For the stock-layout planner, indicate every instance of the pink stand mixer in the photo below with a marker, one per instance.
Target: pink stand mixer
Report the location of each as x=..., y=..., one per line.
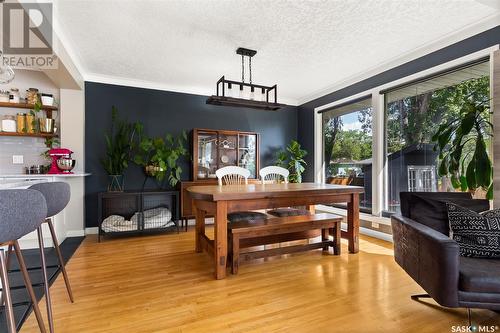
x=62, y=163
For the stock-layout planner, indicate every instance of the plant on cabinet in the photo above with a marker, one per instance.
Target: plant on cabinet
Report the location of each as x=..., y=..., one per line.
x=159, y=157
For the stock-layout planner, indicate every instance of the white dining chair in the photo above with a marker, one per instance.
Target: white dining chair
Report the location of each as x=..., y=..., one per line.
x=235, y=175
x=276, y=174
x=232, y=175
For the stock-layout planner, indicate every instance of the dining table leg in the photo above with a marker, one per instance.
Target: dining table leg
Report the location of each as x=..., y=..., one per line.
x=353, y=223
x=220, y=240
x=200, y=226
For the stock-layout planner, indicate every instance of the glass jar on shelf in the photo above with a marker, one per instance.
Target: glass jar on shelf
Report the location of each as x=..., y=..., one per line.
x=21, y=122
x=9, y=124
x=4, y=96
x=14, y=95
x=32, y=96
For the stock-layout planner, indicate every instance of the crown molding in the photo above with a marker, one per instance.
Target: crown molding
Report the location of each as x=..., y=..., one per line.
x=487, y=23
x=135, y=83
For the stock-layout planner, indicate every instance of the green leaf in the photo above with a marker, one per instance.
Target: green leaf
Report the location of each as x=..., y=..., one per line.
x=455, y=182
x=444, y=138
x=482, y=165
x=463, y=184
x=443, y=167
x=470, y=175
x=489, y=194
x=468, y=123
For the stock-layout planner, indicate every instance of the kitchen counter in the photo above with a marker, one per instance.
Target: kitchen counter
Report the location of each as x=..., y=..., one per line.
x=25, y=176
x=70, y=222
x=11, y=181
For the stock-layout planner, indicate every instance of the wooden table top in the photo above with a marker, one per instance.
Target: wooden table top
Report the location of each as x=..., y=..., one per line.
x=258, y=191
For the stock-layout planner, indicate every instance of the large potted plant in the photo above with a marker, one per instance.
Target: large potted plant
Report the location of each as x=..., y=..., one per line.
x=119, y=145
x=293, y=159
x=159, y=157
x=462, y=143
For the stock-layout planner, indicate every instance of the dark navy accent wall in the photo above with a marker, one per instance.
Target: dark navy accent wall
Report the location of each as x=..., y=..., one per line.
x=164, y=112
x=473, y=44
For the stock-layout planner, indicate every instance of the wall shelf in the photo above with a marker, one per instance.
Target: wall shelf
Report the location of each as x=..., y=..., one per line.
x=26, y=106
x=30, y=135
x=47, y=108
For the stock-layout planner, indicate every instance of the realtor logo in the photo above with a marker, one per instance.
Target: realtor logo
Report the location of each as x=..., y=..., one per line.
x=27, y=36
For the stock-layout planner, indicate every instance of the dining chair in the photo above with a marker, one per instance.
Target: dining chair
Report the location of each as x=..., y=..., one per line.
x=232, y=175
x=21, y=212
x=235, y=175
x=276, y=174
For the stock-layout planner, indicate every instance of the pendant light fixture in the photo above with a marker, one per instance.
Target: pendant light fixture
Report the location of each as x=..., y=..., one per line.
x=243, y=94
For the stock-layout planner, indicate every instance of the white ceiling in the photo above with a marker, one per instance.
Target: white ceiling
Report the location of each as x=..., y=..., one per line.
x=303, y=46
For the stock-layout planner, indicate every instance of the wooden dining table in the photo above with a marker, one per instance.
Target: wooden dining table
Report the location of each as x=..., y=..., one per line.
x=218, y=201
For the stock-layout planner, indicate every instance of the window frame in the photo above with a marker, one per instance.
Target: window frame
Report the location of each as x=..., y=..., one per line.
x=379, y=167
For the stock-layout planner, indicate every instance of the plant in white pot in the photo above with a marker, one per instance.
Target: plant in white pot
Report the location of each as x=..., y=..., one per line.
x=119, y=145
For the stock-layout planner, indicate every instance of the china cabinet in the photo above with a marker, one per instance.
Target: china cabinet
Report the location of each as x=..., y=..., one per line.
x=214, y=149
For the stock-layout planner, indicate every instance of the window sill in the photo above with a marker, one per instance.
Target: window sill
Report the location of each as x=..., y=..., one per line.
x=362, y=216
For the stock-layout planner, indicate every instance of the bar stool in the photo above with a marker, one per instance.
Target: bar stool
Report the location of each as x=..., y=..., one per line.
x=57, y=195
x=21, y=212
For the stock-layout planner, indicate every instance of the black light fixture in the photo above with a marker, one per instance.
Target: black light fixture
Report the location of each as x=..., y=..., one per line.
x=226, y=89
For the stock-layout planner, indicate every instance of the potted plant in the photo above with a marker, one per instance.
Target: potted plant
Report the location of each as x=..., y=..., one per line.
x=119, y=145
x=50, y=142
x=159, y=157
x=462, y=143
x=293, y=159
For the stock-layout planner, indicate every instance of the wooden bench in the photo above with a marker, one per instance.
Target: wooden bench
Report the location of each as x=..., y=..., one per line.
x=251, y=233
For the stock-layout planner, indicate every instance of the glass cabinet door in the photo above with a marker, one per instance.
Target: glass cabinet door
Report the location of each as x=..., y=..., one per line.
x=247, y=153
x=207, y=155
x=227, y=149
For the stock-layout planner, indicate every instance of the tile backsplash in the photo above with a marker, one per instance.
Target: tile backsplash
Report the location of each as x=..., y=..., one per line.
x=30, y=148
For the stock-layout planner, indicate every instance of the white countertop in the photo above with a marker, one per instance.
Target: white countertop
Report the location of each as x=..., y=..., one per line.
x=62, y=175
x=11, y=181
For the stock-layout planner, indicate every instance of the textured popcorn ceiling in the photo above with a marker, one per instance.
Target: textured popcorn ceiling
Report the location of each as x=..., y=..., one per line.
x=303, y=46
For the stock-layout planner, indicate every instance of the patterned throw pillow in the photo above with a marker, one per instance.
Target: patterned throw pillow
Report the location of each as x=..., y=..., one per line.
x=477, y=234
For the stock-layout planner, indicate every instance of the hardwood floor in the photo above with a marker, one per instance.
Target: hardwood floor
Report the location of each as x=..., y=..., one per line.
x=159, y=284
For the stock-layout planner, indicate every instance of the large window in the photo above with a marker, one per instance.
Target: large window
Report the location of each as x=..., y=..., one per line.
x=413, y=115
x=347, y=145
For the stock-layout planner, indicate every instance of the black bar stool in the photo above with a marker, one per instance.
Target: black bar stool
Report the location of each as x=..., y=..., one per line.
x=21, y=212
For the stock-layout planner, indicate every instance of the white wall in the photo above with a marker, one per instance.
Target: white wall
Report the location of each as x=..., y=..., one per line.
x=72, y=137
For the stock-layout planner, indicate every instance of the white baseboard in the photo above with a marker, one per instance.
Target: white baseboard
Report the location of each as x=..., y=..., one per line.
x=75, y=233
x=33, y=243
x=376, y=234
x=91, y=231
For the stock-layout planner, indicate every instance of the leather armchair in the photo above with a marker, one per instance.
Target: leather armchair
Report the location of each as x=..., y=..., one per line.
x=432, y=259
